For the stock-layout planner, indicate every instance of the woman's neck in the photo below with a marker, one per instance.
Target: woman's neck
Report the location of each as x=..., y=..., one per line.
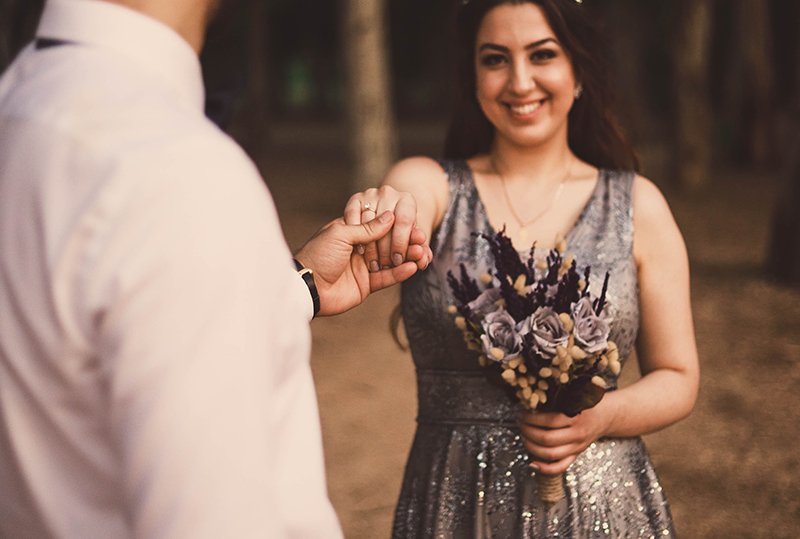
x=541, y=164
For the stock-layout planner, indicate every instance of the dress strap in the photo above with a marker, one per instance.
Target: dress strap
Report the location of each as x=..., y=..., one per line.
x=460, y=204
x=621, y=205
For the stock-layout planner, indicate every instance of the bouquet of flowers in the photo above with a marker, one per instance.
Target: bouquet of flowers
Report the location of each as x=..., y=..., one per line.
x=539, y=328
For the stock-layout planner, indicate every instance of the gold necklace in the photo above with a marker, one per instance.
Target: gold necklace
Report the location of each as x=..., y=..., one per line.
x=521, y=224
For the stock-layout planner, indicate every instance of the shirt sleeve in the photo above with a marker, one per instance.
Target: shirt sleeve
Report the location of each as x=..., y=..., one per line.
x=211, y=399
x=303, y=294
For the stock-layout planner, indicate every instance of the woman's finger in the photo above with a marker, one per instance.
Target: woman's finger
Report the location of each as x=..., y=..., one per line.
x=371, y=257
x=352, y=210
x=548, y=420
x=405, y=217
x=548, y=437
x=541, y=453
x=554, y=468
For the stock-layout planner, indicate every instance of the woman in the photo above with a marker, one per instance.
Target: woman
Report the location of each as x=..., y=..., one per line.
x=534, y=148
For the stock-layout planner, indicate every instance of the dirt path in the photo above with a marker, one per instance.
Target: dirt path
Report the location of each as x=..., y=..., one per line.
x=731, y=470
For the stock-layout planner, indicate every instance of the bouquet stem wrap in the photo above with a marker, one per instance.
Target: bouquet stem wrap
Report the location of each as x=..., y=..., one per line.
x=551, y=487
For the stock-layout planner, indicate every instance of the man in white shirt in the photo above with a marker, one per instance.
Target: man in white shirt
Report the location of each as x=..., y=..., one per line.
x=154, y=345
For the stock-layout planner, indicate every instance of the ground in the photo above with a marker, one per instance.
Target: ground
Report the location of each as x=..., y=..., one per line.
x=730, y=470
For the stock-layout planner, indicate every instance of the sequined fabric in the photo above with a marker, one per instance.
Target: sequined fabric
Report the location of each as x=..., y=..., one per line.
x=467, y=474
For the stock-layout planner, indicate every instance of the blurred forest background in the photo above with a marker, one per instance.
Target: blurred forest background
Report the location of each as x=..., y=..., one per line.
x=325, y=94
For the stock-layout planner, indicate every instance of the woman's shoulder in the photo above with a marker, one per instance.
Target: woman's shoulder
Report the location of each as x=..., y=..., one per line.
x=655, y=227
x=418, y=166
x=648, y=201
x=426, y=179
x=418, y=171
x=641, y=192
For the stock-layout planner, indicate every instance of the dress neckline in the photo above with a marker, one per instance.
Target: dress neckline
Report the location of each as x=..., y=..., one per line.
x=601, y=177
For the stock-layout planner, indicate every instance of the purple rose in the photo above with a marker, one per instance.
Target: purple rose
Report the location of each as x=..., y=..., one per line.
x=591, y=331
x=485, y=303
x=548, y=330
x=500, y=336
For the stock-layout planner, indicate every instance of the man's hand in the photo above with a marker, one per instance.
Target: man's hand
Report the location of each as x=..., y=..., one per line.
x=341, y=275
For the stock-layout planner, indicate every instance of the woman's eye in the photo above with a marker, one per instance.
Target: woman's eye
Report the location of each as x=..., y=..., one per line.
x=490, y=60
x=542, y=55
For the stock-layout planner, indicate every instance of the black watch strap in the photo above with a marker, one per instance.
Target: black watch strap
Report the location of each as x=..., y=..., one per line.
x=308, y=278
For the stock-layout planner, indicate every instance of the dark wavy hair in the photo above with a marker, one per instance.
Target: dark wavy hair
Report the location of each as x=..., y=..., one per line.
x=595, y=134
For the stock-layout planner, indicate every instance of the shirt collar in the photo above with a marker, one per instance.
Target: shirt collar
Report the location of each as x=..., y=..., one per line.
x=149, y=43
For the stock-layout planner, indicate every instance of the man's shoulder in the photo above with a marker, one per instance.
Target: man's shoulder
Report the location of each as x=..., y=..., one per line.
x=109, y=107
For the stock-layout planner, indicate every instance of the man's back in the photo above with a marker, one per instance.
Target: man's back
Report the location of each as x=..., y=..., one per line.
x=148, y=340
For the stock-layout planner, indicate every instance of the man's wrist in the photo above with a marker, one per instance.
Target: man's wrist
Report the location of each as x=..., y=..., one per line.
x=308, y=277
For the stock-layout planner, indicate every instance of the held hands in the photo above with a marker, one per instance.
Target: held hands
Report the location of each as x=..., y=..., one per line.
x=341, y=274
x=555, y=440
x=397, y=247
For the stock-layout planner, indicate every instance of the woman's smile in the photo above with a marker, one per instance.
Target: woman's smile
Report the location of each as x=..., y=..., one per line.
x=525, y=111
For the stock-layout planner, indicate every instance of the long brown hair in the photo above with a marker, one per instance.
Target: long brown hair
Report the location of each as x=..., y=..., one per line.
x=595, y=134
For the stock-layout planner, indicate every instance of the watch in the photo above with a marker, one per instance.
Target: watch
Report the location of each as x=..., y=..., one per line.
x=308, y=277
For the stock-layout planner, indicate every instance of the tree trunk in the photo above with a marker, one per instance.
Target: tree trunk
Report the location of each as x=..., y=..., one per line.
x=369, y=102
x=754, y=37
x=783, y=258
x=255, y=109
x=693, y=106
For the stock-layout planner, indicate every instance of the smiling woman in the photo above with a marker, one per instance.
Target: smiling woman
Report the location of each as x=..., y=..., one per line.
x=524, y=79
x=534, y=149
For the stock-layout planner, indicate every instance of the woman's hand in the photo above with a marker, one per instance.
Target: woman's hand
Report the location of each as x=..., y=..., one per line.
x=405, y=243
x=555, y=440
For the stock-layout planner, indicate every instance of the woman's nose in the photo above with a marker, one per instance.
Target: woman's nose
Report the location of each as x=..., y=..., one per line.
x=523, y=78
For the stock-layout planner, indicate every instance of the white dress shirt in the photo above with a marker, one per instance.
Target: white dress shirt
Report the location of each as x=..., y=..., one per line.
x=154, y=345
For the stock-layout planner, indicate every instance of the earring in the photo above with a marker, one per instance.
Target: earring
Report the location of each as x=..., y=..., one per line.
x=578, y=91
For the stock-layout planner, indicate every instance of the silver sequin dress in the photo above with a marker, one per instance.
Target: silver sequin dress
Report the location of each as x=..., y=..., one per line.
x=467, y=473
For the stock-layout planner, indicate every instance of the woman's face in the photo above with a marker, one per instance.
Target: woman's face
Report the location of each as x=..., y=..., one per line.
x=524, y=78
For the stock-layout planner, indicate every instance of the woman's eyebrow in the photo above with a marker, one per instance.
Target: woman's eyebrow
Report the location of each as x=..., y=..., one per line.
x=501, y=48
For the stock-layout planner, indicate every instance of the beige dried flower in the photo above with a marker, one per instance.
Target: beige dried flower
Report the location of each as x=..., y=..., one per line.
x=461, y=323
x=577, y=353
x=519, y=285
x=566, y=319
x=542, y=396
x=533, y=402
x=615, y=367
